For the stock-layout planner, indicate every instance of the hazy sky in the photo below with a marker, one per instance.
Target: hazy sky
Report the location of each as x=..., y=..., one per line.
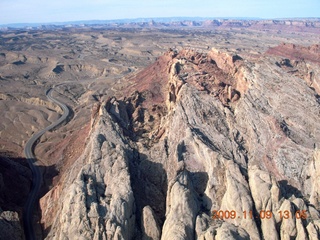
x=35, y=11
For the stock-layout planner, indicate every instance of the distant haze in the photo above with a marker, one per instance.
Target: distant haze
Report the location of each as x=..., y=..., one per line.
x=43, y=11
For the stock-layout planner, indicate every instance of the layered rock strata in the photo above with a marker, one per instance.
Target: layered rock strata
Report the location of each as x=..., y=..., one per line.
x=198, y=133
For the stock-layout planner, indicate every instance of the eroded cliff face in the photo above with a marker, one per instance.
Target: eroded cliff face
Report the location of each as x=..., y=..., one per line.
x=198, y=133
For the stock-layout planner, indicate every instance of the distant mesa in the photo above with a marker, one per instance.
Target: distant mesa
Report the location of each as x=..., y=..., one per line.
x=279, y=25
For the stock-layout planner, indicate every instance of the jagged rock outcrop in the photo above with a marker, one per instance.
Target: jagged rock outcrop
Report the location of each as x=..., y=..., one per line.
x=10, y=226
x=150, y=228
x=266, y=196
x=97, y=201
x=182, y=209
x=315, y=179
x=160, y=161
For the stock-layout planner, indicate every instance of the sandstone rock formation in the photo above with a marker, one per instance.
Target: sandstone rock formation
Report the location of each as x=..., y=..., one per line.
x=300, y=62
x=197, y=133
x=98, y=201
x=10, y=226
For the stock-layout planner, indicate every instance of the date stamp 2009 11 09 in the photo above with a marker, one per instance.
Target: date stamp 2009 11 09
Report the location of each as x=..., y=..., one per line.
x=264, y=214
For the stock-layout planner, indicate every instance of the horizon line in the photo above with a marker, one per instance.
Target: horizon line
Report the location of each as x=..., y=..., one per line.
x=183, y=18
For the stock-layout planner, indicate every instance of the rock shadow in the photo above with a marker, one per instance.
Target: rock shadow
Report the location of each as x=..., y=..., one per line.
x=200, y=181
x=16, y=183
x=288, y=190
x=149, y=184
x=12, y=229
x=48, y=172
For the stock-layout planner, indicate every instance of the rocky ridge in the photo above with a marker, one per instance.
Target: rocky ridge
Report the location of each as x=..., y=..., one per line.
x=197, y=133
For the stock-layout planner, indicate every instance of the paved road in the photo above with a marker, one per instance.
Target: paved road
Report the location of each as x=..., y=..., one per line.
x=36, y=174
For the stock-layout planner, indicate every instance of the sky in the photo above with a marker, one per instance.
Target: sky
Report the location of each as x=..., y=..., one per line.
x=44, y=11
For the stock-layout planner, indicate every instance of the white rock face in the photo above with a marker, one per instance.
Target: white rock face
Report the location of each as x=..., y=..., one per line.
x=315, y=182
x=182, y=208
x=150, y=226
x=237, y=198
x=247, y=148
x=98, y=203
x=229, y=231
x=266, y=195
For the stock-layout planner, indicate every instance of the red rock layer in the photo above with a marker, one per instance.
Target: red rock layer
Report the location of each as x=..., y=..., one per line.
x=296, y=52
x=146, y=100
x=153, y=79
